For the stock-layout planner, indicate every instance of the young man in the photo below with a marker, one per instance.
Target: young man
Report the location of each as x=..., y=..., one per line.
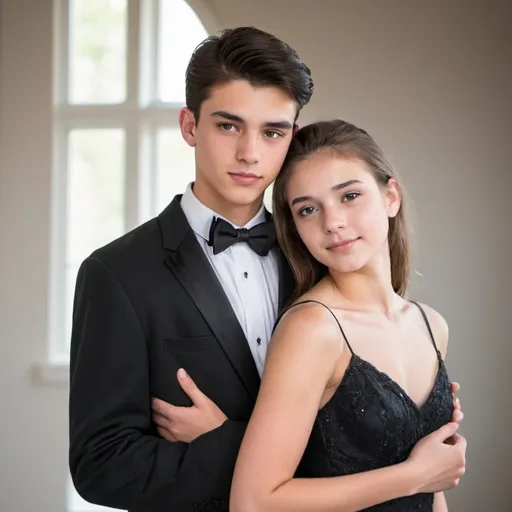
x=174, y=293
x=197, y=288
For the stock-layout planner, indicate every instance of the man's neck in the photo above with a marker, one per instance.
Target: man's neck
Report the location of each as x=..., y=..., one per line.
x=237, y=214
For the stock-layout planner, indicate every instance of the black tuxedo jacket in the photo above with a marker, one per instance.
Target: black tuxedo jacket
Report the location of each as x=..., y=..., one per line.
x=146, y=305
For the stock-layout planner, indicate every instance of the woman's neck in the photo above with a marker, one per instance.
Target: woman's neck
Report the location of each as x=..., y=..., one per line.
x=369, y=289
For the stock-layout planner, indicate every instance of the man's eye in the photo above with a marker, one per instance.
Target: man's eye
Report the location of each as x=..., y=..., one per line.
x=227, y=127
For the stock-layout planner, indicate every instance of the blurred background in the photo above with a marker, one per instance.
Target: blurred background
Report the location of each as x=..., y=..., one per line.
x=90, y=147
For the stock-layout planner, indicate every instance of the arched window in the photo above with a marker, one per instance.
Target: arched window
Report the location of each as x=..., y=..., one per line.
x=119, y=156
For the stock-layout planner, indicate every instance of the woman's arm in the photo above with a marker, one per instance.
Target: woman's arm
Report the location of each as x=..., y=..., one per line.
x=441, y=334
x=440, y=504
x=300, y=363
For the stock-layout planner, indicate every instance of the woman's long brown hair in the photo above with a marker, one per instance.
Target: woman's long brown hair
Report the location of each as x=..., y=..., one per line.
x=349, y=141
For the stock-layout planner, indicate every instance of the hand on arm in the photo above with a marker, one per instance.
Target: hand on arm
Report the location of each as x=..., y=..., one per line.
x=187, y=423
x=458, y=415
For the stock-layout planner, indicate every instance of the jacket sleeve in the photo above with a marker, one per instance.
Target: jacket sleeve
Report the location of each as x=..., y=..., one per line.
x=115, y=458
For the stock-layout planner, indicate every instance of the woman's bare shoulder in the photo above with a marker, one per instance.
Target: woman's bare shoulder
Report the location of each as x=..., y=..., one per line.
x=309, y=321
x=439, y=327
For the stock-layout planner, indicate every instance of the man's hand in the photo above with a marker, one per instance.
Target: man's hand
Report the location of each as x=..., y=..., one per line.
x=187, y=423
x=457, y=411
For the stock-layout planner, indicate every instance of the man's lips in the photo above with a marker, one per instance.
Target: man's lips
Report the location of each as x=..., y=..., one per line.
x=244, y=178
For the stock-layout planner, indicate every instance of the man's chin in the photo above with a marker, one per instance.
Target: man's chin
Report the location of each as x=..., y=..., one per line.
x=243, y=196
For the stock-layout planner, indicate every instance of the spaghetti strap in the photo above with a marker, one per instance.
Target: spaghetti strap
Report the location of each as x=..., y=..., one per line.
x=328, y=309
x=424, y=315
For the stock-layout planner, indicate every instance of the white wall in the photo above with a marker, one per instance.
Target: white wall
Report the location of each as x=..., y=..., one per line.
x=430, y=80
x=33, y=425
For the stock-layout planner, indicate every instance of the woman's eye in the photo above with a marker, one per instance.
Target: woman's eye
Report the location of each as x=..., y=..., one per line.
x=308, y=210
x=351, y=196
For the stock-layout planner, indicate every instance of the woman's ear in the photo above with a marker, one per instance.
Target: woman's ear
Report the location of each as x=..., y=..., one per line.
x=393, y=197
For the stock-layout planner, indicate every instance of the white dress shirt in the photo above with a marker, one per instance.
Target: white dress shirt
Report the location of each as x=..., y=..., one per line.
x=250, y=281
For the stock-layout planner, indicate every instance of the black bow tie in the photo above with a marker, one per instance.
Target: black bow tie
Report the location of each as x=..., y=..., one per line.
x=260, y=238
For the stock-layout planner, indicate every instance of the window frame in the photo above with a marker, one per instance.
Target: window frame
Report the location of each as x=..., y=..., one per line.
x=141, y=115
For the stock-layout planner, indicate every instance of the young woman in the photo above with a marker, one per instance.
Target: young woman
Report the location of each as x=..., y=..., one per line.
x=354, y=382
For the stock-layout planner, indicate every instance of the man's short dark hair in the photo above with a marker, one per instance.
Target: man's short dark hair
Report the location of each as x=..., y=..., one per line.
x=250, y=54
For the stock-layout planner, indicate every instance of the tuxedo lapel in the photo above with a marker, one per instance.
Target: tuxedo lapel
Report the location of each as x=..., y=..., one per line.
x=286, y=281
x=192, y=269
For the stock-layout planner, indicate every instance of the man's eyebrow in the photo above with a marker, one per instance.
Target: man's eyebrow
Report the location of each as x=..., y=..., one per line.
x=227, y=115
x=281, y=125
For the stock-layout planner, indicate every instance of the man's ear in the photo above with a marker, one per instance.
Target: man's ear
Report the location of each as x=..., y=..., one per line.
x=188, y=126
x=295, y=129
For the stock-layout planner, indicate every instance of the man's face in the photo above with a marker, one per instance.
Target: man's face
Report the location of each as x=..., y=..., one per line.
x=240, y=143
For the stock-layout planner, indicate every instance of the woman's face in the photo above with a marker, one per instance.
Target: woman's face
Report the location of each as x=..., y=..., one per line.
x=340, y=211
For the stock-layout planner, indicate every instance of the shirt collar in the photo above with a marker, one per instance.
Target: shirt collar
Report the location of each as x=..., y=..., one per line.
x=200, y=217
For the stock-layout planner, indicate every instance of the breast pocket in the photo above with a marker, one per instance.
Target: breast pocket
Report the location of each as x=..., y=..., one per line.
x=197, y=355
x=196, y=344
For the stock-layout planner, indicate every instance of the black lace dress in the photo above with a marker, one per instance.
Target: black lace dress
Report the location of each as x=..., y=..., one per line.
x=371, y=422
